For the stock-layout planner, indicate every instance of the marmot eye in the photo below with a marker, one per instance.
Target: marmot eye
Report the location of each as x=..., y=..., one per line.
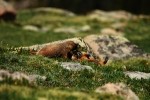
x=79, y=54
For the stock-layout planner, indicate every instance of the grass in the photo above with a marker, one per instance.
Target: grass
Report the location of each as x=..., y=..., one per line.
x=16, y=36
x=61, y=83
x=52, y=94
x=140, y=33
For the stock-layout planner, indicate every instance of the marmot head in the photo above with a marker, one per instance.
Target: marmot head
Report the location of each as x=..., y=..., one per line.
x=72, y=46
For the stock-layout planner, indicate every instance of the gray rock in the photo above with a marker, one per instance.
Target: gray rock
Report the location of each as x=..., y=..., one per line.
x=111, y=16
x=66, y=30
x=72, y=66
x=35, y=28
x=4, y=73
x=34, y=77
x=137, y=75
x=118, y=89
x=56, y=11
x=115, y=47
x=73, y=29
x=18, y=76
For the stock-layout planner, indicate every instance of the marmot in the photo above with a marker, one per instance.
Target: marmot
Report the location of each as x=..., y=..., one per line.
x=64, y=49
x=69, y=49
x=83, y=56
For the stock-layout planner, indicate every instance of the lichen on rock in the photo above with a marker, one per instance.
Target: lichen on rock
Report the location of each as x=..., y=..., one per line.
x=114, y=47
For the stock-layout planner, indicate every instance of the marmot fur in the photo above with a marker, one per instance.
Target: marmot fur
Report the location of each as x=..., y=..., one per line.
x=64, y=49
x=83, y=56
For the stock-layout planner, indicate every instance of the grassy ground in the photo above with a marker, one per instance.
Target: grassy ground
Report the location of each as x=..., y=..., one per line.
x=140, y=33
x=60, y=83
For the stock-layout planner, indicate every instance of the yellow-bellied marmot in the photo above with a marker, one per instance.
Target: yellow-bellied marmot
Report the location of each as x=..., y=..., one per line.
x=63, y=49
x=68, y=49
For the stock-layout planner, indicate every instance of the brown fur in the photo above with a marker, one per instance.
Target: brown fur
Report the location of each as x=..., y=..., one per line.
x=87, y=57
x=63, y=49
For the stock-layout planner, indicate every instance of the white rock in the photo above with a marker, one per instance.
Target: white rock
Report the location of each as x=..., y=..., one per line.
x=111, y=16
x=19, y=76
x=66, y=30
x=137, y=75
x=4, y=73
x=34, y=77
x=85, y=28
x=118, y=89
x=31, y=28
x=72, y=66
x=55, y=11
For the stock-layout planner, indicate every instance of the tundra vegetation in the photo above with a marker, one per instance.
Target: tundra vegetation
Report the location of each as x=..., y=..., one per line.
x=42, y=26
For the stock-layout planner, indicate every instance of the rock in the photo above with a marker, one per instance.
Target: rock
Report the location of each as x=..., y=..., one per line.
x=34, y=77
x=137, y=75
x=66, y=30
x=110, y=31
x=31, y=28
x=72, y=29
x=120, y=15
x=119, y=26
x=114, y=47
x=28, y=4
x=18, y=76
x=100, y=16
x=111, y=16
x=4, y=73
x=85, y=28
x=7, y=11
x=56, y=11
x=72, y=66
x=118, y=89
x=35, y=28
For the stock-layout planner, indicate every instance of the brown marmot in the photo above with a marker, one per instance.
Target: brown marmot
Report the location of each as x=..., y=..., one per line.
x=68, y=49
x=64, y=49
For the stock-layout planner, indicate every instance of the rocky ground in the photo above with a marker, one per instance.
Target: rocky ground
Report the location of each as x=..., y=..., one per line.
x=118, y=35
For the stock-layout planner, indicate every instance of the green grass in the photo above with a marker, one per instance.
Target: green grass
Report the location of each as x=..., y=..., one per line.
x=16, y=36
x=15, y=92
x=138, y=32
x=82, y=81
x=61, y=83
